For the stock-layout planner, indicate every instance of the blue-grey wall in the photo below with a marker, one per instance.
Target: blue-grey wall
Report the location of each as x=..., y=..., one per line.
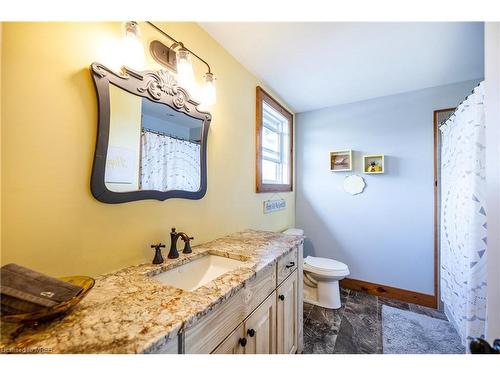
x=385, y=235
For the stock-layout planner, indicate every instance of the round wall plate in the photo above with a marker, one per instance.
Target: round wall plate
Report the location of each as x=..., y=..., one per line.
x=354, y=184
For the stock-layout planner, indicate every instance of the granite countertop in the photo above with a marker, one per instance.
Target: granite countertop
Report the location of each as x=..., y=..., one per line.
x=129, y=312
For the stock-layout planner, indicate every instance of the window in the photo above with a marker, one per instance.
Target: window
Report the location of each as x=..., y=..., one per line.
x=274, y=145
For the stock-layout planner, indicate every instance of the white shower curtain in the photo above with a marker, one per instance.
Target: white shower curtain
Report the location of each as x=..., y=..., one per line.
x=169, y=164
x=463, y=217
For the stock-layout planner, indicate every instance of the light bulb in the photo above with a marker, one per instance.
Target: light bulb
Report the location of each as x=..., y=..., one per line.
x=132, y=47
x=209, y=93
x=185, y=73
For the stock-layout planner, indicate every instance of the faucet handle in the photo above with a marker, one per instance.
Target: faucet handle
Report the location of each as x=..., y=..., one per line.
x=187, y=246
x=158, y=259
x=157, y=246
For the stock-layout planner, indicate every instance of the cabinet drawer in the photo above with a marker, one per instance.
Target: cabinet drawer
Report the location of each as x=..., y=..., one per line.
x=209, y=332
x=287, y=265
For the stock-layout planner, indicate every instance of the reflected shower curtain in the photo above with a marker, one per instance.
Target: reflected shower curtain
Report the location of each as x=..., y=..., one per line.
x=169, y=163
x=463, y=217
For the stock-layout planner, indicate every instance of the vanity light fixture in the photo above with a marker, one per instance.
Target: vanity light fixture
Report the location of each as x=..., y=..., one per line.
x=177, y=58
x=209, y=92
x=185, y=72
x=132, y=48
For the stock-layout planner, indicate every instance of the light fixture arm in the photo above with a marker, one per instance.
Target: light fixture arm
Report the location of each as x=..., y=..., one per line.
x=177, y=44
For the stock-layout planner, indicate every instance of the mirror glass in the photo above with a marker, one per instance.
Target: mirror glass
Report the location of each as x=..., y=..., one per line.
x=151, y=146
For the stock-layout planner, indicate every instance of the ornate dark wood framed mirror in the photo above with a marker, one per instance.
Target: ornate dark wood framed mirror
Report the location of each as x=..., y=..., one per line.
x=151, y=139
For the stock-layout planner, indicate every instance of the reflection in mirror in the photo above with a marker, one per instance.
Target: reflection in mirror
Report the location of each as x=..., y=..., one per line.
x=151, y=146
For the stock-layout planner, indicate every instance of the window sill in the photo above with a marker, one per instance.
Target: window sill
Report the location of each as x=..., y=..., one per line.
x=274, y=188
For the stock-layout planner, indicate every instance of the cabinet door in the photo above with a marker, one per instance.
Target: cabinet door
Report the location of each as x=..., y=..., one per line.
x=233, y=344
x=260, y=328
x=287, y=330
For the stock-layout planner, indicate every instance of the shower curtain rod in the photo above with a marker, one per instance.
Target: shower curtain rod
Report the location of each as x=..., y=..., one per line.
x=467, y=97
x=144, y=130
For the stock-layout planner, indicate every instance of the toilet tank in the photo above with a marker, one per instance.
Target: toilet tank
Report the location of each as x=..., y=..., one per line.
x=294, y=231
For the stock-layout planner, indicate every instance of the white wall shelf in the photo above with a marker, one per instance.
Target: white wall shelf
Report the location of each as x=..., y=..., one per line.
x=373, y=164
x=341, y=161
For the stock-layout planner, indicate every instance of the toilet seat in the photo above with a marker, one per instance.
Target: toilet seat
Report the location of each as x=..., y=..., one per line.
x=325, y=266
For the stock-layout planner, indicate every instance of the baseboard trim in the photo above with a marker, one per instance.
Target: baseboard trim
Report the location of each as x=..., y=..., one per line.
x=390, y=292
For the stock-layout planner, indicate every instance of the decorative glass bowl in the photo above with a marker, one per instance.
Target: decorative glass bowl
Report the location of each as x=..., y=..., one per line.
x=33, y=318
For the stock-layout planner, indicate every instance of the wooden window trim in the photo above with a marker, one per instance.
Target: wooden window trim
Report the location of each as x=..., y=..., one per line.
x=436, y=203
x=261, y=187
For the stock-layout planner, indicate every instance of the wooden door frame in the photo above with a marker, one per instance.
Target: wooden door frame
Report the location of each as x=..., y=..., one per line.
x=436, y=202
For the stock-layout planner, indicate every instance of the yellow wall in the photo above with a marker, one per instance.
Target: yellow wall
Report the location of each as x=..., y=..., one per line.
x=50, y=221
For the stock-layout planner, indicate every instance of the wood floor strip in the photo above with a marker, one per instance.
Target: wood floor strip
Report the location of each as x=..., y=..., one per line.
x=390, y=292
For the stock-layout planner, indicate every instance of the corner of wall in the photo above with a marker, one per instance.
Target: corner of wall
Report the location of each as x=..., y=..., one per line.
x=492, y=97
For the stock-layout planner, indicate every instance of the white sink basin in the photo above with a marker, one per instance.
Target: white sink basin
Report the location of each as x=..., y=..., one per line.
x=198, y=272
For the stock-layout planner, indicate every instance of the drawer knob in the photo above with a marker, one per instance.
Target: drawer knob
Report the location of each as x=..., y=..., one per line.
x=290, y=265
x=243, y=341
x=251, y=332
x=281, y=297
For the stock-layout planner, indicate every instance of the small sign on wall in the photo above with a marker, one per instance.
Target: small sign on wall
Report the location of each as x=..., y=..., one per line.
x=273, y=205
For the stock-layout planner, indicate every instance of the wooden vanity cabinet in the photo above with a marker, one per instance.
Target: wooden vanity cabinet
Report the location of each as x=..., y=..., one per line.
x=287, y=319
x=211, y=330
x=256, y=335
x=286, y=265
x=260, y=328
x=233, y=343
x=262, y=318
x=171, y=347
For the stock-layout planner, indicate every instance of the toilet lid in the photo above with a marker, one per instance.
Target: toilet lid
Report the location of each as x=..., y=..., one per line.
x=325, y=264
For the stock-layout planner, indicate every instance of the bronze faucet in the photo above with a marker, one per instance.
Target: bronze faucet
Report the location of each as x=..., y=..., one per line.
x=174, y=236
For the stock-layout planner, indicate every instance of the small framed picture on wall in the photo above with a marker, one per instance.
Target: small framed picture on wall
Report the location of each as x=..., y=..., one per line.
x=373, y=164
x=341, y=161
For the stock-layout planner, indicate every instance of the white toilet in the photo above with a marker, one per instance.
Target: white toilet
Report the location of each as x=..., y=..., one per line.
x=321, y=278
x=321, y=281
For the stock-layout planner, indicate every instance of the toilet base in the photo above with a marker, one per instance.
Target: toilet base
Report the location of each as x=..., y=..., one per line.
x=316, y=303
x=326, y=294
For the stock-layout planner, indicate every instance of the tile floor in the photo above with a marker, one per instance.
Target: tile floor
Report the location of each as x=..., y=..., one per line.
x=354, y=328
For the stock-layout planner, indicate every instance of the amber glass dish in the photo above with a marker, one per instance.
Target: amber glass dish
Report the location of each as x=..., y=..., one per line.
x=55, y=311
